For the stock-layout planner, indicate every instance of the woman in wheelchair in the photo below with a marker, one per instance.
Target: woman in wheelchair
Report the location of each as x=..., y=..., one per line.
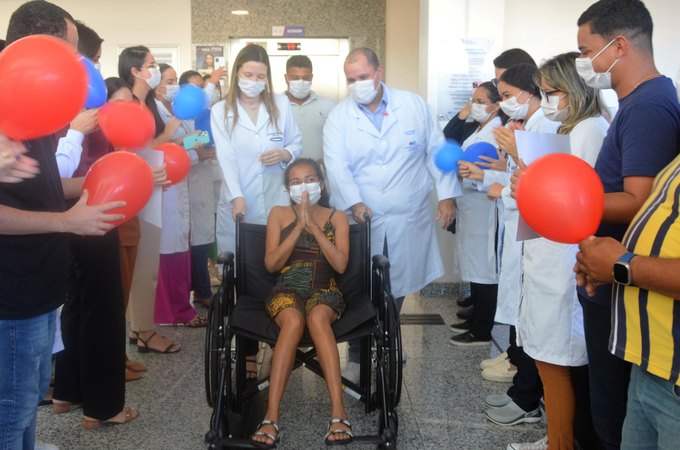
x=307, y=243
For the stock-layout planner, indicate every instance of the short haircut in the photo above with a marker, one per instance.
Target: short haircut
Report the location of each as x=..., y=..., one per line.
x=629, y=18
x=302, y=61
x=522, y=76
x=512, y=57
x=37, y=17
x=89, y=41
x=184, y=78
x=163, y=67
x=369, y=54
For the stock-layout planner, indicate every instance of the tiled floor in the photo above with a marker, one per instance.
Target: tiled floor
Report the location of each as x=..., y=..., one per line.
x=441, y=408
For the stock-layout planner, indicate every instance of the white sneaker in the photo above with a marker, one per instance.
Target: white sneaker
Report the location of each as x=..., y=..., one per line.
x=502, y=372
x=493, y=361
x=352, y=372
x=541, y=444
x=45, y=446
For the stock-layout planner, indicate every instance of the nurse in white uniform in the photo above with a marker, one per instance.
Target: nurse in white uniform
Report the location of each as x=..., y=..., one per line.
x=255, y=137
x=550, y=324
x=476, y=229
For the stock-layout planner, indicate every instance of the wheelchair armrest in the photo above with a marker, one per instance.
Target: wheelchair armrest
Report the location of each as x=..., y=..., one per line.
x=225, y=258
x=381, y=262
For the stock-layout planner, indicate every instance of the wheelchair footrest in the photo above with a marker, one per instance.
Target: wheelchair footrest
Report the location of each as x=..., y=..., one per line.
x=236, y=443
x=368, y=439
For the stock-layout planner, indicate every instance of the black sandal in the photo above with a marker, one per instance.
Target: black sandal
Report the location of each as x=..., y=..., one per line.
x=258, y=433
x=334, y=433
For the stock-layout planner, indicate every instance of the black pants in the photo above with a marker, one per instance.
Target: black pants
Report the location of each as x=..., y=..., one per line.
x=484, y=297
x=91, y=369
x=527, y=389
x=584, y=432
x=608, y=375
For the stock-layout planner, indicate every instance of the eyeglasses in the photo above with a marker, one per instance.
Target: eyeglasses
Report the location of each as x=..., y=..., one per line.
x=478, y=101
x=151, y=66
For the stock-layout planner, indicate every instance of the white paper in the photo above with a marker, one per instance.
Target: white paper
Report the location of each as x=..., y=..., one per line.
x=532, y=145
x=152, y=212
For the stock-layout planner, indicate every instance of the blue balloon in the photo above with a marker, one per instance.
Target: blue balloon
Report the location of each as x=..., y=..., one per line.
x=189, y=102
x=96, y=88
x=473, y=152
x=448, y=155
x=202, y=122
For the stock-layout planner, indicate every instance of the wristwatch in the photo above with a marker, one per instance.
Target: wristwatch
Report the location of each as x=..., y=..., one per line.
x=622, y=271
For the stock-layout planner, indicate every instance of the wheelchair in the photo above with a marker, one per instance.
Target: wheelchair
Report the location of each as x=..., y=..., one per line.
x=237, y=313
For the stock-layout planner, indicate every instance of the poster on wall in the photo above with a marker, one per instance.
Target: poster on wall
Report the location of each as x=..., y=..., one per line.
x=205, y=57
x=455, y=89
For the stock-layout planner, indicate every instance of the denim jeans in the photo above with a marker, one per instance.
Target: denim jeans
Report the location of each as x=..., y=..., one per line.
x=653, y=417
x=25, y=371
x=608, y=375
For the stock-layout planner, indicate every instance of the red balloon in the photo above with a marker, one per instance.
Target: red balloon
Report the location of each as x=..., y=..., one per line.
x=120, y=176
x=43, y=86
x=127, y=124
x=561, y=198
x=177, y=162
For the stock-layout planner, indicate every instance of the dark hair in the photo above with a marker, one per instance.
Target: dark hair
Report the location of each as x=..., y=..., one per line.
x=369, y=54
x=37, y=17
x=494, y=97
x=2, y=44
x=113, y=85
x=163, y=67
x=205, y=60
x=325, y=198
x=134, y=57
x=629, y=18
x=299, y=61
x=513, y=57
x=89, y=42
x=523, y=77
x=184, y=78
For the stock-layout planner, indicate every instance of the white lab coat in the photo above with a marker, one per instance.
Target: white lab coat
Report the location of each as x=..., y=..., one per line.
x=175, y=216
x=238, y=150
x=550, y=324
x=391, y=171
x=476, y=218
x=509, y=280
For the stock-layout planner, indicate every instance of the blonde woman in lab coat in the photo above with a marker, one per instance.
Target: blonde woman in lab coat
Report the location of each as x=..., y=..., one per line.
x=255, y=137
x=550, y=324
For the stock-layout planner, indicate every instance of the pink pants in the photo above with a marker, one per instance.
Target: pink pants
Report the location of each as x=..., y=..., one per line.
x=172, y=292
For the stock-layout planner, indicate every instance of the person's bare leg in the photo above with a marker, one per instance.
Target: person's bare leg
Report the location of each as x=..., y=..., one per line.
x=292, y=325
x=319, y=321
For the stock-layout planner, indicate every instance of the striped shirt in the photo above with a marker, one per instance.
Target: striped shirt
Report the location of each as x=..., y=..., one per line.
x=646, y=324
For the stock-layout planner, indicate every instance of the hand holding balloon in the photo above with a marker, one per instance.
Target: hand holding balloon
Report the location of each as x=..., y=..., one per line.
x=86, y=121
x=470, y=171
x=91, y=220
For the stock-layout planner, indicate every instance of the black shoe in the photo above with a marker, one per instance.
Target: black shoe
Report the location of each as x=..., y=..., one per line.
x=464, y=314
x=468, y=339
x=460, y=327
x=466, y=302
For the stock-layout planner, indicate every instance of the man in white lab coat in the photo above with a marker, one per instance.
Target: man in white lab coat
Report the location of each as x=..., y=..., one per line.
x=379, y=146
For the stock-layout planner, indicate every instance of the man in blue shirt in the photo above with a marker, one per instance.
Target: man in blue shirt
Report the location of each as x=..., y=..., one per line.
x=615, y=40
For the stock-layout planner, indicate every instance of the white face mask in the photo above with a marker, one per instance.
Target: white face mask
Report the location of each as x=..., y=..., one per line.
x=299, y=89
x=514, y=109
x=155, y=78
x=251, y=88
x=363, y=91
x=479, y=113
x=551, y=110
x=584, y=67
x=171, y=91
x=314, y=190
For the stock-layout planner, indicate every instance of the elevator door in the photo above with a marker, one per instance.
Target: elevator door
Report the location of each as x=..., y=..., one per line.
x=327, y=56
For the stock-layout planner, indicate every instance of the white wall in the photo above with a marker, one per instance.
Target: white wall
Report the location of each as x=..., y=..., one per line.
x=548, y=27
x=126, y=23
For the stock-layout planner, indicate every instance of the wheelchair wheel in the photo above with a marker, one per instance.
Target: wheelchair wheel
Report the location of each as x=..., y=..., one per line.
x=213, y=340
x=395, y=359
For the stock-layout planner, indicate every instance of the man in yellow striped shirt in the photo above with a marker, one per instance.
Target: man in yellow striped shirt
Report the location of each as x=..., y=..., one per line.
x=645, y=269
